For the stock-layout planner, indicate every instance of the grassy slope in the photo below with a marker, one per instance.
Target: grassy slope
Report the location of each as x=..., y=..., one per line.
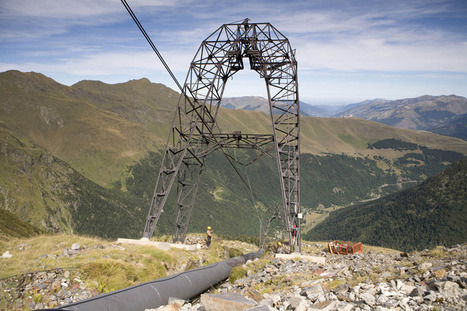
x=105, y=265
x=100, y=129
x=33, y=183
x=78, y=126
x=46, y=192
x=12, y=227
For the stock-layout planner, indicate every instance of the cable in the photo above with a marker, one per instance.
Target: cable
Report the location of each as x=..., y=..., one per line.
x=141, y=28
x=152, y=44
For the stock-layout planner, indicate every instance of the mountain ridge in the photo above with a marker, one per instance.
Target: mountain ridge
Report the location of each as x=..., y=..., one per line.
x=112, y=126
x=438, y=114
x=421, y=113
x=112, y=137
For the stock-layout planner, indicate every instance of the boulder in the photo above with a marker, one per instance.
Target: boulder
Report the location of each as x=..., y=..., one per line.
x=226, y=302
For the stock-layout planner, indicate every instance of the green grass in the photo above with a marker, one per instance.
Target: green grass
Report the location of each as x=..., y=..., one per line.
x=105, y=265
x=12, y=227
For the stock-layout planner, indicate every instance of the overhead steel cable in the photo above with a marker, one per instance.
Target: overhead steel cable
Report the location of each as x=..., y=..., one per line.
x=183, y=92
x=130, y=11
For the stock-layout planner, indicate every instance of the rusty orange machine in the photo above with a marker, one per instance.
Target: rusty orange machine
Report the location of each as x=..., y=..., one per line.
x=344, y=247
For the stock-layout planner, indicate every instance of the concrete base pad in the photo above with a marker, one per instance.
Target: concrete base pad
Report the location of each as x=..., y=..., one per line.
x=298, y=256
x=160, y=245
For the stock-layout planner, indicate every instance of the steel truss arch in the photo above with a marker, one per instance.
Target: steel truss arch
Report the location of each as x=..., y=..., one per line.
x=194, y=125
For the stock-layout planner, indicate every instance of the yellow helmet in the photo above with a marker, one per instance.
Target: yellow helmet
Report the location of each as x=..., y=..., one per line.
x=279, y=243
x=209, y=228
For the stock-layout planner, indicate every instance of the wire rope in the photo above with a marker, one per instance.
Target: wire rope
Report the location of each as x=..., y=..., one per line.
x=182, y=90
x=141, y=28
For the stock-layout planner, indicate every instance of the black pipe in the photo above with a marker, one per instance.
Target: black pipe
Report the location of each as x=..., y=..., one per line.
x=153, y=294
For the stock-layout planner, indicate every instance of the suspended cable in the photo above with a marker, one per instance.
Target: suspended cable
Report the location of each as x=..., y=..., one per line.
x=241, y=178
x=143, y=31
x=130, y=11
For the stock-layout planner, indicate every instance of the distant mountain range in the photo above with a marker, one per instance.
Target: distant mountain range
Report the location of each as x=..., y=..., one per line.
x=253, y=103
x=84, y=159
x=422, y=113
x=444, y=115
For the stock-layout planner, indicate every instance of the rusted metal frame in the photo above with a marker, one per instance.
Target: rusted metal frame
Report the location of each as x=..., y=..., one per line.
x=288, y=145
x=249, y=139
x=291, y=186
x=246, y=141
x=282, y=92
x=218, y=32
x=189, y=177
x=266, y=50
x=278, y=62
x=287, y=150
x=171, y=162
x=215, y=95
x=276, y=73
x=287, y=115
x=187, y=190
x=204, y=116
x=282, y=166
x=183, y=218
x=293, y=179
x=212, y=69
x=188, y=180
x=279, y=162
x=259, y=51
x=172, y=157
x=288, y=131
x=164, y=183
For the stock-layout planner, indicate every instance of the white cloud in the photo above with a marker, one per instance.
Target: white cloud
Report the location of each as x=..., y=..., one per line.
x=66, y=9
x=378, y=55
x=108, y=64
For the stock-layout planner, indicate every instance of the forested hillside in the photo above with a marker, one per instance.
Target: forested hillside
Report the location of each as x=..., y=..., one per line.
x=44, y=191
x=433, y=213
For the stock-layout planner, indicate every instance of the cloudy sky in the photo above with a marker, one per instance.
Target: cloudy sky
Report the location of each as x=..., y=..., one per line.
x=347, y=50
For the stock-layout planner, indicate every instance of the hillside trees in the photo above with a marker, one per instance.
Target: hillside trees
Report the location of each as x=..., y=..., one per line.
x=425, y=216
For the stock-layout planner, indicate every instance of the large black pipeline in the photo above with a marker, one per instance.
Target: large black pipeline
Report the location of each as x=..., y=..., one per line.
x=153, y=294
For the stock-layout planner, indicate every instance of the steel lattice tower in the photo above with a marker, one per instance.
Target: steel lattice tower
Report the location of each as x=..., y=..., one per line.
x=194, y=132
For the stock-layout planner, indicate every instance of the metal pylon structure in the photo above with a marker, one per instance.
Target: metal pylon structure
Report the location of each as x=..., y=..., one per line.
x=194, y=132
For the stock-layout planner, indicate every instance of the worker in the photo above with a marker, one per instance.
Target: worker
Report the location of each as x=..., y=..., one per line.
x=294, y=235
x=209, y=236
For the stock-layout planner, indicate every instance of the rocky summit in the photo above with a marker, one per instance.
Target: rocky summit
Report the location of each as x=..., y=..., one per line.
x=427, y=280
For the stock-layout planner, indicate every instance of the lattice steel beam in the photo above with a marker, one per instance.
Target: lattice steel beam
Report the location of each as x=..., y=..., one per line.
x=219, y=57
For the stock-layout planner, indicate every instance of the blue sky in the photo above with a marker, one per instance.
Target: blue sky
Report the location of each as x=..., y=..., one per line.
x=347, y=50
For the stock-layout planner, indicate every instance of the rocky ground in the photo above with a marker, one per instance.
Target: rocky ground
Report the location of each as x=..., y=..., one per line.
x=374, y=280
x=427, y=280
x=47, y=289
